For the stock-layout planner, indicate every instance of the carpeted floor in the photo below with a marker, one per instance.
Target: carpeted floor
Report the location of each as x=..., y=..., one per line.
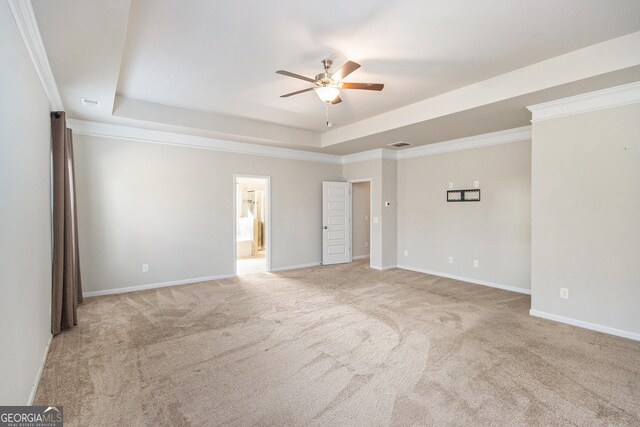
x=335, y=345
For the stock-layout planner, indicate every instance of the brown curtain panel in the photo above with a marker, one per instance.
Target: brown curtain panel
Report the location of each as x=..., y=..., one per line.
x=67, y=284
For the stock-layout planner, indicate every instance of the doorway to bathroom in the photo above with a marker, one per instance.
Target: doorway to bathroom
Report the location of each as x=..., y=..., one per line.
x=252, y=208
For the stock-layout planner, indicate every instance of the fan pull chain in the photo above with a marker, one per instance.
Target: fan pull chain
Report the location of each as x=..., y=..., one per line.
x=326, y=114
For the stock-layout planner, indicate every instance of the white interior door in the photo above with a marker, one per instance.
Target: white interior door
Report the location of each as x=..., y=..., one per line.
x=336, y=222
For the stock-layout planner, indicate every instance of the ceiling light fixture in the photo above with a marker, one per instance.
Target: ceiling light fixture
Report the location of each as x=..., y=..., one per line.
x=327, y=93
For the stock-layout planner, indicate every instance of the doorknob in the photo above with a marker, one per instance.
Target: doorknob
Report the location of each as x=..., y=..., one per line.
x=325, y=227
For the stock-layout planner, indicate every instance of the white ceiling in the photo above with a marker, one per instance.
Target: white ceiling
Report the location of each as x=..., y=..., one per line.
x=210, y=65
x=222, y=56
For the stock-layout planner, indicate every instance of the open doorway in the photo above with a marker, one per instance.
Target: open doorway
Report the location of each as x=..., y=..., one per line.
x=361, y=219
x=252, y=207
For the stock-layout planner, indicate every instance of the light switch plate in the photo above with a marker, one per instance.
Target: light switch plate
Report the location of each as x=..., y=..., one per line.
x=476, y=184
x=375, y=219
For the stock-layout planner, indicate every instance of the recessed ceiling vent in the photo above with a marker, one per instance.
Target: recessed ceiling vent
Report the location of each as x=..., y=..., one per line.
x=399, y=144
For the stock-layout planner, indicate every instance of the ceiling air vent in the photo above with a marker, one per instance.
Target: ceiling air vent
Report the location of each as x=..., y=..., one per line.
x=399, y=144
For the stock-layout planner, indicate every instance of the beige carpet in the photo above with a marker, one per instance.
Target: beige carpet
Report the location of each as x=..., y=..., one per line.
x=336, y=345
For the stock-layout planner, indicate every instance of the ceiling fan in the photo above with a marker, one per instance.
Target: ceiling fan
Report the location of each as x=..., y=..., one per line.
x=328, y=85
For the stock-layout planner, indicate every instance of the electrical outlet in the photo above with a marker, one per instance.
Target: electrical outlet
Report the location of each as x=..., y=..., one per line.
x=476, y=263
x=366, y=244
x=145, y=268
x=366, y=217
x=375, y=219
x=406, y=252
x=450, y=260
x=476, y=184
x=564, y=293
x=451, y=186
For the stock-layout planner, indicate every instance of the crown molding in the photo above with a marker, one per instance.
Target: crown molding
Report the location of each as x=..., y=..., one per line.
x=83, y=127
x=593, y=101
x=22, y=11
x=468, y=143
x=127, y=132
x=363, y=156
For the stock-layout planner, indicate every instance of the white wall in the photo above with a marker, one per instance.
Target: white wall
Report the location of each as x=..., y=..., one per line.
x=172, y=208
x=25, y=221
x=495, y=231
x=361, y=220
x=586, y=217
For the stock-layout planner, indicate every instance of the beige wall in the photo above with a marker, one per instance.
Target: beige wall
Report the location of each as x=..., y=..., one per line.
x=389, y=213
x=25, y=222
x=172, y=208
x=361, y=219
x=495, y=231
x=586, y=217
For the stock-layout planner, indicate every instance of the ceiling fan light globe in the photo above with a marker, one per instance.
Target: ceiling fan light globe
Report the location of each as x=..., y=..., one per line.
x=327, y=93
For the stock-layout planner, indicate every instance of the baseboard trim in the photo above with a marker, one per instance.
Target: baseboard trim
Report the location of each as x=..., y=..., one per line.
x=156, y=285
x=383, y=268
x=36, y=383
x=585, y=325
x=295, y=267
x=468, y=280
x=355, y=258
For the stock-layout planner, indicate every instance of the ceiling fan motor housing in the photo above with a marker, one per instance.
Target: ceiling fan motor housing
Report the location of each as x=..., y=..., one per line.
x=324, y=79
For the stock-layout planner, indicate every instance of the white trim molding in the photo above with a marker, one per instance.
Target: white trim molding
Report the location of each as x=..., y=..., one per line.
x=36, y=382
x=156, y=285
x=295, y=267
x=384, y=267
x=593, y=101
x=363, y=156
x=468, y=143
x=357, y=257
x=468, y=280
x=83, y=127
x=586, y=325
x=22, y=11
x=132, y=133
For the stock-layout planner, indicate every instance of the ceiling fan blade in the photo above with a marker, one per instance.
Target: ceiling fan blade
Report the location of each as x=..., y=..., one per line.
x=363, y=86
x=295, y=76
x=348, y=68
x=296, y=92
x=336, y=100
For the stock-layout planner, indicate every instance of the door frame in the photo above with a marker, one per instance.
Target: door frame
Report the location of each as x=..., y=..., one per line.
x=267, y=228
x=370, y=181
